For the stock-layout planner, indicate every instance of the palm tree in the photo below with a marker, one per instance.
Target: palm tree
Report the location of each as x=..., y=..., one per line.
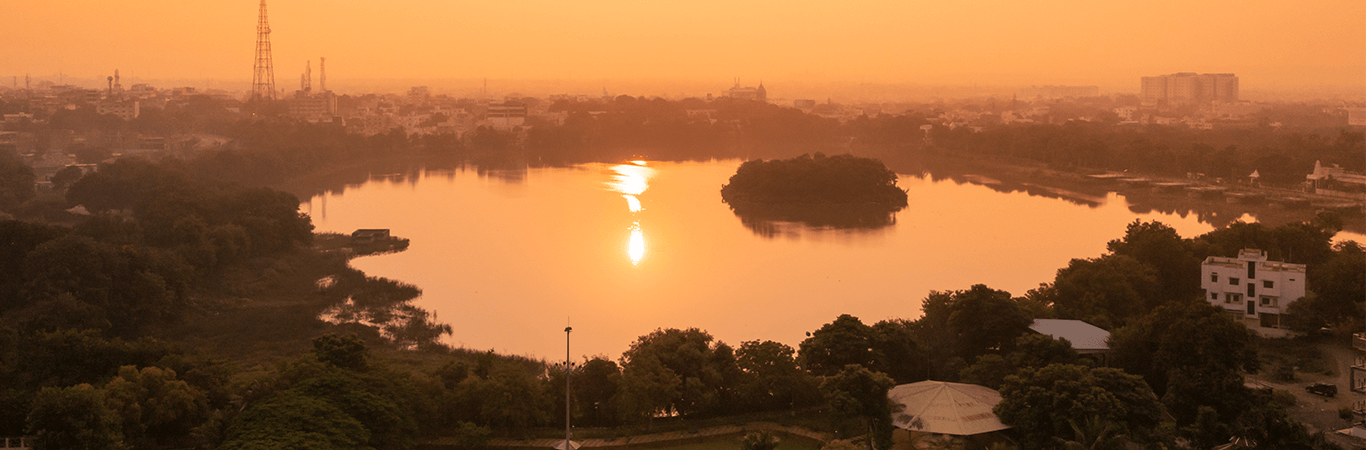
x=1094, y=434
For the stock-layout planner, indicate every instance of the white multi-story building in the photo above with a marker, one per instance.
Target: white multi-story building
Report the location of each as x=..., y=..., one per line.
x=1251, y=286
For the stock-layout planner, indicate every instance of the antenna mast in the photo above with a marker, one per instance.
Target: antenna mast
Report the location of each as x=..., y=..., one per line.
x=263, y=77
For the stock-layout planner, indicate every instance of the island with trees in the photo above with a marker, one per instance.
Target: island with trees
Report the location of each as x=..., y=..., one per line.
x=841, y=191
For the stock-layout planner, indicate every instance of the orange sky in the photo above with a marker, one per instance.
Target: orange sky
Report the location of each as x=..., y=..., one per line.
x=1268, y=44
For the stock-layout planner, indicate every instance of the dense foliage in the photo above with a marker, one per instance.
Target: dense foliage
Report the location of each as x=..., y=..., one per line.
x=814, y=180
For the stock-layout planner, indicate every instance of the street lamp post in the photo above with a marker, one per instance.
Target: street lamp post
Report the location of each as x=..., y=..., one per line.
x=568, y=367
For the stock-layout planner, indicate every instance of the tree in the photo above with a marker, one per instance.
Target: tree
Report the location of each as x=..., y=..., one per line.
x=772, y=380
x=1192, y=354
x=17, y=239
x=1031, y=351
x=297, y=421
x=1042, y=403
x=344, y=352
x=372, y=402
x=647, y=389
x=896, y=353
x=595, y=385
x=65, y=177
x=502, y=394
x=858, y=393
x=1338, y=290
x=837, y=344
x=970, y=323
x=1093, y=434
x=74, y=417
x=155, y=407
x=1105, y=291
x=704, y=374
x=1159, y=246
x=16, y=183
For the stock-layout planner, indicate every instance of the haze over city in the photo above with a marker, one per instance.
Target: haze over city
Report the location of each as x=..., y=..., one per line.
x=691, y=48
x=754, y=225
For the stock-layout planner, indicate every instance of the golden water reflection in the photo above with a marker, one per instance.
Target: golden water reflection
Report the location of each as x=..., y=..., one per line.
x=631, y=180
x=636, y=247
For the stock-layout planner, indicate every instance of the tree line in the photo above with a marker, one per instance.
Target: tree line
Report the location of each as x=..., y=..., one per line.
x=269, y=145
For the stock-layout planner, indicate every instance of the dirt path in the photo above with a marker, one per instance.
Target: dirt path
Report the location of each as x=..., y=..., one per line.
x=1319, y=413
x=645, y=439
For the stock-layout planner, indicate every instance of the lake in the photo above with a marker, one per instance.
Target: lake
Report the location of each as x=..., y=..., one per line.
x=511, y=257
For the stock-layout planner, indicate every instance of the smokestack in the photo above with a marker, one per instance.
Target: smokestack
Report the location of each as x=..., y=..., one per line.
x=307, y=84
x=322, y=73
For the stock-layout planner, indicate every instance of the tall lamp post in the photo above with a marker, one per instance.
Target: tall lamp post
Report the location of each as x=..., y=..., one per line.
x=568, y=367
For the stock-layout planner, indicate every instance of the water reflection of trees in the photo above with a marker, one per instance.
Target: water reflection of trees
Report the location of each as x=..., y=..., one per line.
x=772, y=221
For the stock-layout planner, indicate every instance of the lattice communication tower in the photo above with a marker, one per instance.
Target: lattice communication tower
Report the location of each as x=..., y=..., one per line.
x=263, y=80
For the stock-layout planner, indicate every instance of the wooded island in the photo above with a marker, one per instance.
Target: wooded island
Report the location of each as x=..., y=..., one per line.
x=814, y=180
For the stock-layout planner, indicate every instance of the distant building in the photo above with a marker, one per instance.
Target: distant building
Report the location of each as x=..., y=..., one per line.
x=748, y=93
x=1060, y=91
x=126, y=110
x=1251, y=287
x=804, y=103
x=506, y=115
x=1356, y=116
x=142, y=91
x=1336, y=181
x=1188, y=88
x=319, y=107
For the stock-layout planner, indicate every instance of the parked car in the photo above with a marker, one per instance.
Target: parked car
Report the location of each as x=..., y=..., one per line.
x=1324, y=389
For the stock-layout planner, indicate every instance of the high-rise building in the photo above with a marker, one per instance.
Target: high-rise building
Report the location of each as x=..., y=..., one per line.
x=1189, y=88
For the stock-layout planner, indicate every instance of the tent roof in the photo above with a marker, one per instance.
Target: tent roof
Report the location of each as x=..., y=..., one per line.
x=1082, y=335
x=946, y=408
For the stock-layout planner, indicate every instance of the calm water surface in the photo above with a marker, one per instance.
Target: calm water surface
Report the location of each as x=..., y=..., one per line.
x=509, y=258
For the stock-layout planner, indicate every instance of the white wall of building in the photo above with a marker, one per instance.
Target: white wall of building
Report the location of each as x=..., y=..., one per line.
x=1268, y=287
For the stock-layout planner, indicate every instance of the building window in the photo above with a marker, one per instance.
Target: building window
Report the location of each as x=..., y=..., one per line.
x=1252, y=290
x=1251, y=270
x=1213, y=295
x=1232, y=281
x=1269, y=302
x=1231, y=297
x=1268, y=284
x=1214, y=277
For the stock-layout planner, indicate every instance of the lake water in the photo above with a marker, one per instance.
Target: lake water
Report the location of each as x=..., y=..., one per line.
x=509, y=258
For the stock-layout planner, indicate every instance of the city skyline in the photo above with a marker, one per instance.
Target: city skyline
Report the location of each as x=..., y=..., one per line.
x=1268, y=45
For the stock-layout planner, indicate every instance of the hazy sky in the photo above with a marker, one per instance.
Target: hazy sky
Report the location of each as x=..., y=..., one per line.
x=1268, y=44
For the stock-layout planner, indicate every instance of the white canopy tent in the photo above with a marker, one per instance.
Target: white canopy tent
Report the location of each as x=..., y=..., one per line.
x=946, y=408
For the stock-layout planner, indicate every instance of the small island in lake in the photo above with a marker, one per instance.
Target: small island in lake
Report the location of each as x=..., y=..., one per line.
x=818, y=180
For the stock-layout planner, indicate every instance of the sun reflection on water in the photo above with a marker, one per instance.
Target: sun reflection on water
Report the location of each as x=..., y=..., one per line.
x=636, y=247
x=631, y=180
